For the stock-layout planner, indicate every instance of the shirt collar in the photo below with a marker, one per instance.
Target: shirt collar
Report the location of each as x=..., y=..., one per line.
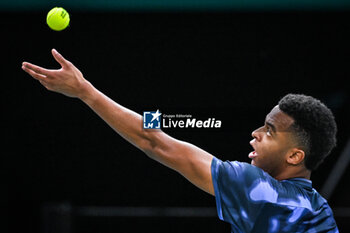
x=305, y=183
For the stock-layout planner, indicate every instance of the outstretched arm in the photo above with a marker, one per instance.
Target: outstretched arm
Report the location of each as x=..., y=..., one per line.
x=190, y=161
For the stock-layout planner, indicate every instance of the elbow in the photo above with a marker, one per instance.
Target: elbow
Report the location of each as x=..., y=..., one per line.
x=151, y=143
x=161, y=148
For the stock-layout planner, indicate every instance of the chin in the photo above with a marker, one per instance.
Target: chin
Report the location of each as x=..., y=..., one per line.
x=253, y=162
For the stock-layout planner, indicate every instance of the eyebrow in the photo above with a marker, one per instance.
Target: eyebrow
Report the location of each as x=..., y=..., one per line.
x=272, y=126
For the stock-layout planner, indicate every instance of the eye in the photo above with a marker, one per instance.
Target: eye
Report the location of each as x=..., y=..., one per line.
x=268, y=130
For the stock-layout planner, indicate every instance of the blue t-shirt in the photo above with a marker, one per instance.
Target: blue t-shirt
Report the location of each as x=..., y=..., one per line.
x=252, y=201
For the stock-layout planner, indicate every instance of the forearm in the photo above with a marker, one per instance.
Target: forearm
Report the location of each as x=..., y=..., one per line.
x=125, y=122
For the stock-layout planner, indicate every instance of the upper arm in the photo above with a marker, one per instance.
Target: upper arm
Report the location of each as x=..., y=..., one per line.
x=189, y=160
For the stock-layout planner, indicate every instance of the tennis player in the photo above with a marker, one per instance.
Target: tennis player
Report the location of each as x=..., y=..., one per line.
x=272, y=194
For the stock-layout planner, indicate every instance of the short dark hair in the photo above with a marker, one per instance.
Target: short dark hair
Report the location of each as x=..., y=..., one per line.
x=314, y=127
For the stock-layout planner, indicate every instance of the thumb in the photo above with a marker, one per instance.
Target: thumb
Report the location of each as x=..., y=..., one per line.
x=59, y=58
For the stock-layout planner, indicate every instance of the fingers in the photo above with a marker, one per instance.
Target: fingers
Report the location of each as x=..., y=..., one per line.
x=37, y=69
x=59, y=58
x=41, y=78
x=32, y=71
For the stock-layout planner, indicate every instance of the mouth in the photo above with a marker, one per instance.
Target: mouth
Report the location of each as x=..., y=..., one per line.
x=253, y=155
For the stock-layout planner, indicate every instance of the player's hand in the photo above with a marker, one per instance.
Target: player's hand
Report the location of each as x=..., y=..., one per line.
x=68, y=80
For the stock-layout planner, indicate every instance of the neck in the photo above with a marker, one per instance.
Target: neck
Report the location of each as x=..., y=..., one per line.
x=294, y=173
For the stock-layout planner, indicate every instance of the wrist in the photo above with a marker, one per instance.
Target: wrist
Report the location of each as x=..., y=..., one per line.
x=86, y=93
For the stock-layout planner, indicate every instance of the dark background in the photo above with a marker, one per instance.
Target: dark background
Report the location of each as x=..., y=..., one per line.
x=233, y=66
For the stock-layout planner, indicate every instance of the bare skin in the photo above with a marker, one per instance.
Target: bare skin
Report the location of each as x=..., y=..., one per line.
x=276, y=151
x=276, y=155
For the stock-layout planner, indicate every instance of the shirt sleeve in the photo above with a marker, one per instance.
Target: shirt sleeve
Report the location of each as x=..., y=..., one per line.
x=241, y=190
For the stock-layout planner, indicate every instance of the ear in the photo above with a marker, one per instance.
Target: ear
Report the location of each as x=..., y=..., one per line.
x=296, y=156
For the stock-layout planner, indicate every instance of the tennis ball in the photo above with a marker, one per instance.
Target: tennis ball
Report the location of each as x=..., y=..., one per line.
x=57, y=19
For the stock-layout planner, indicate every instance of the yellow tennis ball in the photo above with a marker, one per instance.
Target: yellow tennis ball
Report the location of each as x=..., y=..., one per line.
x=57, y=19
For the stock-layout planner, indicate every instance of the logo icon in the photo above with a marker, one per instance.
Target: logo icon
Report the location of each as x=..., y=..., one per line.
x=151, y=120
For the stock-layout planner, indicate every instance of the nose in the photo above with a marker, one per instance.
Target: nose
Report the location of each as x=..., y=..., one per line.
x=256, y=134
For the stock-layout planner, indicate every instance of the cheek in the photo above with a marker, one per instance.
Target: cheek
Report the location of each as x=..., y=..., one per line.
x=270, y=154
x=270, y=162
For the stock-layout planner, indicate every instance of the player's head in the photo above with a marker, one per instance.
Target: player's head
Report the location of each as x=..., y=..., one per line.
x=314, y=127
x=299, y=132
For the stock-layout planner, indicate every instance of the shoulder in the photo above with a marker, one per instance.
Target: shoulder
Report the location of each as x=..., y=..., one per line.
x=236, y=168
x=241, y=173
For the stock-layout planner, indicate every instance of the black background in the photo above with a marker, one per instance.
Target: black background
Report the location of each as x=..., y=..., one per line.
x=233, y=66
